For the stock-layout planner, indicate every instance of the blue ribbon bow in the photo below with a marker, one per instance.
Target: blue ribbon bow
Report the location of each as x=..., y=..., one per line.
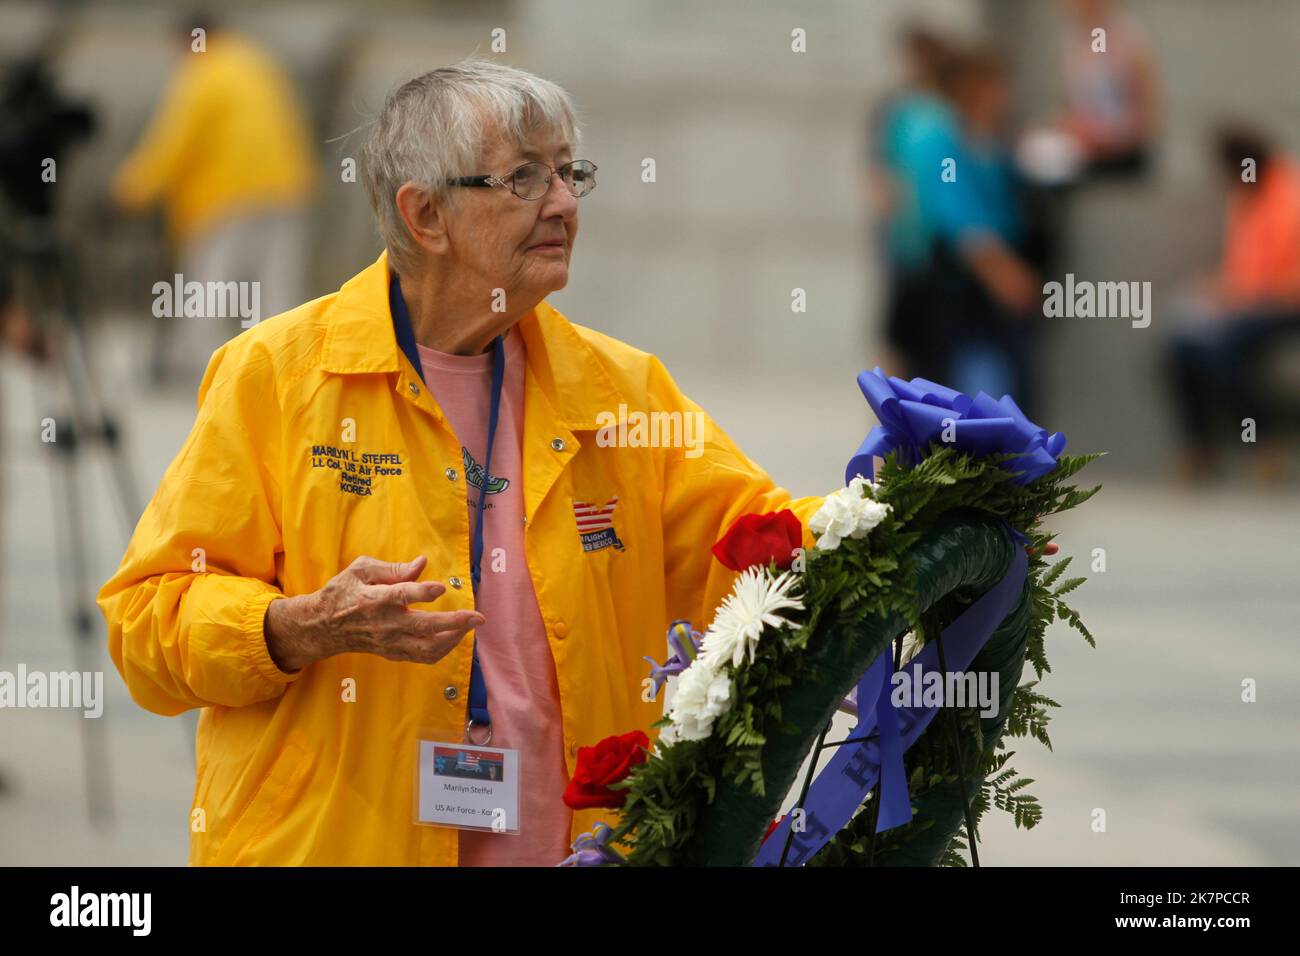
x=914, y=414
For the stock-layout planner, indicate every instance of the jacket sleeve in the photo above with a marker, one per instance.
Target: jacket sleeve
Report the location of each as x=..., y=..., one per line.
x=186, y=607
x=161, y=154
x=703, y=494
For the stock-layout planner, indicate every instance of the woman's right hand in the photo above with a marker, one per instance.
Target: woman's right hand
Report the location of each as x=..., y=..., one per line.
x=364, y=610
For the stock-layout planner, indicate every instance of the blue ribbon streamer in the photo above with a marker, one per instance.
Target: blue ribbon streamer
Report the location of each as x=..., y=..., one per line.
x=842, y=786
x=913, y=414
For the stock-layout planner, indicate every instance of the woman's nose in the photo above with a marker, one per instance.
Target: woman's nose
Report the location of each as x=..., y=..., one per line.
x=558, y=197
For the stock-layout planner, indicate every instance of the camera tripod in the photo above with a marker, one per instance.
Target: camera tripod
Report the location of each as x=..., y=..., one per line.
x=47, y=284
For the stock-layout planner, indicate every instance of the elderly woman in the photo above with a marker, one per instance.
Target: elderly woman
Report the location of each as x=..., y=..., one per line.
x=402, y=554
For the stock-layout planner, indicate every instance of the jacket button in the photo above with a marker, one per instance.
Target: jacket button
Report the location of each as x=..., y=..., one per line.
x=449, y=692
x=454, y=582
x=557, y=444
x=451, y=474
x=561, y=629
x=415, y=389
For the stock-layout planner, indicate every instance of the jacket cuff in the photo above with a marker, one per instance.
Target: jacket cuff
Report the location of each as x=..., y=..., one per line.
x=254, y=640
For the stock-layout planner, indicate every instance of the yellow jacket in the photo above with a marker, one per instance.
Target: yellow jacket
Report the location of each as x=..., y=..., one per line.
x=228, y=137
x=289, y=773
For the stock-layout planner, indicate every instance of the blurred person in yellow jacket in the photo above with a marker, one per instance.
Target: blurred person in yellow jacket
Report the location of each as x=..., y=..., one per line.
x=424, y=512
x=227, y=155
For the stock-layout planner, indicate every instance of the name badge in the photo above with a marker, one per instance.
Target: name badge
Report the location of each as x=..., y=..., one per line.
x=466, y=786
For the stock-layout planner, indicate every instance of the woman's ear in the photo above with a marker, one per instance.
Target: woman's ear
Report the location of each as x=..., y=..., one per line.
x=423, y=216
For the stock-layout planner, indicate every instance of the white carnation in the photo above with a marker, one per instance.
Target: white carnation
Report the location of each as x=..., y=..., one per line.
x=848, y=513
x=703, y=694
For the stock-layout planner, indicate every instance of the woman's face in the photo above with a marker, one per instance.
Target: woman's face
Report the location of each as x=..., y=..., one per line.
x=499, y=241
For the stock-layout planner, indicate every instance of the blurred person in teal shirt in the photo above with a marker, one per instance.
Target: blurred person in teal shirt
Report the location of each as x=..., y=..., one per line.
x=918, y=113
x=984, y=288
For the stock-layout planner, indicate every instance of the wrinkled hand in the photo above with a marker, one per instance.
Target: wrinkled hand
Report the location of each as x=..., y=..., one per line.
x=364, y=609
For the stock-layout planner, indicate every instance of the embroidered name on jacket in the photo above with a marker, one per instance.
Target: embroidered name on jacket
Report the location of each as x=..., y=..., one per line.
x=596, y=525
x=357, y=470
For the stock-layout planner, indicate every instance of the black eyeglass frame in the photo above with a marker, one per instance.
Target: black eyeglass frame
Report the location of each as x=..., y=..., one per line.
x=508, y=182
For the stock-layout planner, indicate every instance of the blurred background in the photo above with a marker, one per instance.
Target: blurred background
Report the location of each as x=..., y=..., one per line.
x=775, y=171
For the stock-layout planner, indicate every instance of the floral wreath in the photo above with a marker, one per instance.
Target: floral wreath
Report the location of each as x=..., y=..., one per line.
x=942, y=553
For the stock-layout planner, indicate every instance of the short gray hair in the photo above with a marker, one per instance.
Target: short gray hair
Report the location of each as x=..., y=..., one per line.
x=435, y=127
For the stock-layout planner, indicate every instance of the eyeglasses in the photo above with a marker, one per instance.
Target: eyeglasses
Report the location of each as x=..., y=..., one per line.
x=531, y=181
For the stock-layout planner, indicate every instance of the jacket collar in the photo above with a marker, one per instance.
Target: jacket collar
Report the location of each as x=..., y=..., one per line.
x=362, y=335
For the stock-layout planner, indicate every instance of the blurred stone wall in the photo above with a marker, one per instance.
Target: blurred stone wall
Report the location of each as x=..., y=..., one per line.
x=759, y=162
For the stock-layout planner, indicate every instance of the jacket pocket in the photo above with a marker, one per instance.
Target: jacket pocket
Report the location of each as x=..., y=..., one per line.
x=266, y=807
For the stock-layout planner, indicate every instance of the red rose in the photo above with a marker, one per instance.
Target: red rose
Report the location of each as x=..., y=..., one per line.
x=757, y=539
x=607, y=763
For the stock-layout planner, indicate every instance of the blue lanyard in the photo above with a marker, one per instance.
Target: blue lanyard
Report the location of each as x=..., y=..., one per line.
x=405, y=333
x=478, y=708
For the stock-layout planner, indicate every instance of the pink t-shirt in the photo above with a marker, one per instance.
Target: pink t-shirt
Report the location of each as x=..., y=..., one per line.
x=523, y=697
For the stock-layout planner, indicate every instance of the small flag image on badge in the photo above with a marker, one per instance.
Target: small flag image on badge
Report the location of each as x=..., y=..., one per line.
x=474, y=764
x=596, y=525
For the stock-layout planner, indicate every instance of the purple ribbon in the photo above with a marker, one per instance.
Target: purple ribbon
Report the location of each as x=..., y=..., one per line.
x=843, y=785
x=914, y=414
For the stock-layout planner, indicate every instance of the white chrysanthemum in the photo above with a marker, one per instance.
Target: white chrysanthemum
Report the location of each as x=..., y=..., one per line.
x=751, y=606
x=703, y=694
x=848, y=513
x=703, y=690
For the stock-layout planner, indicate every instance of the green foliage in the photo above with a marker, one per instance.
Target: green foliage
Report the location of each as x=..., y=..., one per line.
x=861, y=579
x=1028, y=716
